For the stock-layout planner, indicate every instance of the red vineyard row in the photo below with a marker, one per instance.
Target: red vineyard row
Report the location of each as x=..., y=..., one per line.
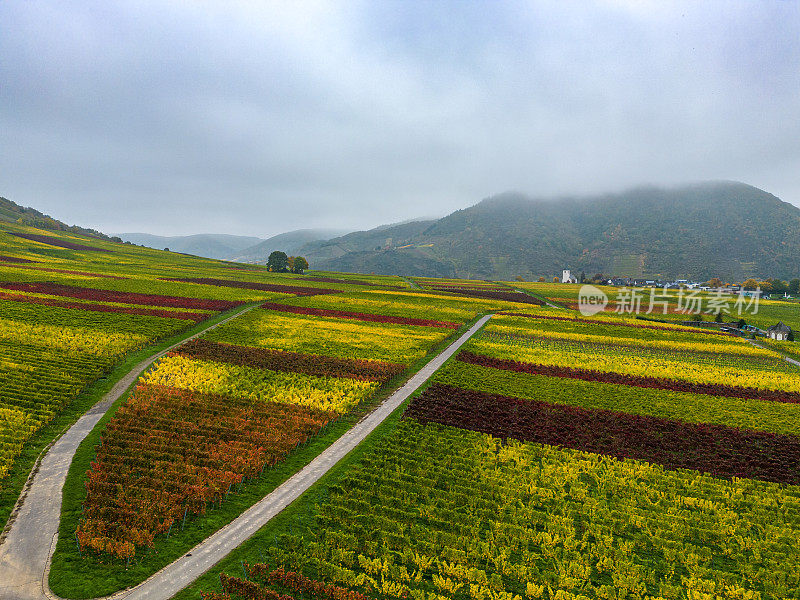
x=54, y=241
x=508, y=337
x=84, y=293
x=615, y=324
x=715, y=449
x=672, y=309
x=128, y=310
x=15, y=259
x=169, y=453
x=456, y=287
x=87, y=273
x=260, y=575
x=297, y=290
x=290, y=362
x=507, y=296
x=344, y=314
x=660, y=383
x=353, y=282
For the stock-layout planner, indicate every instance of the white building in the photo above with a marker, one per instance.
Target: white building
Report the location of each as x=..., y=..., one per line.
x=779, y=332
x=566, y=277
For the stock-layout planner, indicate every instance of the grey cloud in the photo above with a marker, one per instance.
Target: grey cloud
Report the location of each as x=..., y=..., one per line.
x=258, y=118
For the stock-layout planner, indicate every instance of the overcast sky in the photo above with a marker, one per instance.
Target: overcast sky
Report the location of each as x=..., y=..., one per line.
x=255, y=118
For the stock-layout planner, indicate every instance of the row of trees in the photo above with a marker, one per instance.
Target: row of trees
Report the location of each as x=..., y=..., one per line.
x=775, y=286
x=280, y=262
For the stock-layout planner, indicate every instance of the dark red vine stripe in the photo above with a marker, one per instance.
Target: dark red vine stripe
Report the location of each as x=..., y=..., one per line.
x=533, y=338
x=84, y=293
x=128, y=310
x=297, y=582
x=297, y=290
x=290, y=362
x=453, y=287
x=50, y=270
x=242, y=588
x=617, y=324
x=508, y=296
x=715, y=449
x=352, y=282
x=15, y=259
x=344, y=314
x=661, y=383
x=672, y=309
x=54, y=241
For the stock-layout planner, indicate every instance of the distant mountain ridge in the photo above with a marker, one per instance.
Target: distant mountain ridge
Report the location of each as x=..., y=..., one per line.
x=289, y=242
x=209, y=245
x=713, y=229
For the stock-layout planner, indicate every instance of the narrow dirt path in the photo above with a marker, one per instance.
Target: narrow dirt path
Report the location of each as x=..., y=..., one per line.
x=791, y=361
x=177, y=575
x=25, y=552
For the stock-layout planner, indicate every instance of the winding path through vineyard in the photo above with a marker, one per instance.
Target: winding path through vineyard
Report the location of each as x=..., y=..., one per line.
x=25, y=552
x=29, y=541
x=770, y=349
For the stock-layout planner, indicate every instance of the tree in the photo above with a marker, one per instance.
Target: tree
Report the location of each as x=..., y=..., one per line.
x=299, y=265
x=583, y=276
x=750, y=284
x=277, y=261
x=541, y=279
x=714, y=282
x=556, y=280
x=779, y=286
x=598, y=278
x=794, y=286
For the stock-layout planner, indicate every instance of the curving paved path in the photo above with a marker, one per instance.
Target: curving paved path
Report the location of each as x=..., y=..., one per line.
x=25, y=554
x=25, y=551
x=791, y=361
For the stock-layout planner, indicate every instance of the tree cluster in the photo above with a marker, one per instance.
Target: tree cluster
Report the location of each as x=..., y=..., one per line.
x=280, y=262
x=774, y=286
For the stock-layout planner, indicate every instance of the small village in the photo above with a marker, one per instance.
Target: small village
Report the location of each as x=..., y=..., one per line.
x=750, y=289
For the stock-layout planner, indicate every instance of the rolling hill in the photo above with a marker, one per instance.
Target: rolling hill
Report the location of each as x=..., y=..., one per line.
x=724, y=229
x=11, y=212
x=289, y=242
x=209, y=245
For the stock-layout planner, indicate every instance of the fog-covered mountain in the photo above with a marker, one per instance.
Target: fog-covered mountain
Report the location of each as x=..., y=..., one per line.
x=724, y=229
